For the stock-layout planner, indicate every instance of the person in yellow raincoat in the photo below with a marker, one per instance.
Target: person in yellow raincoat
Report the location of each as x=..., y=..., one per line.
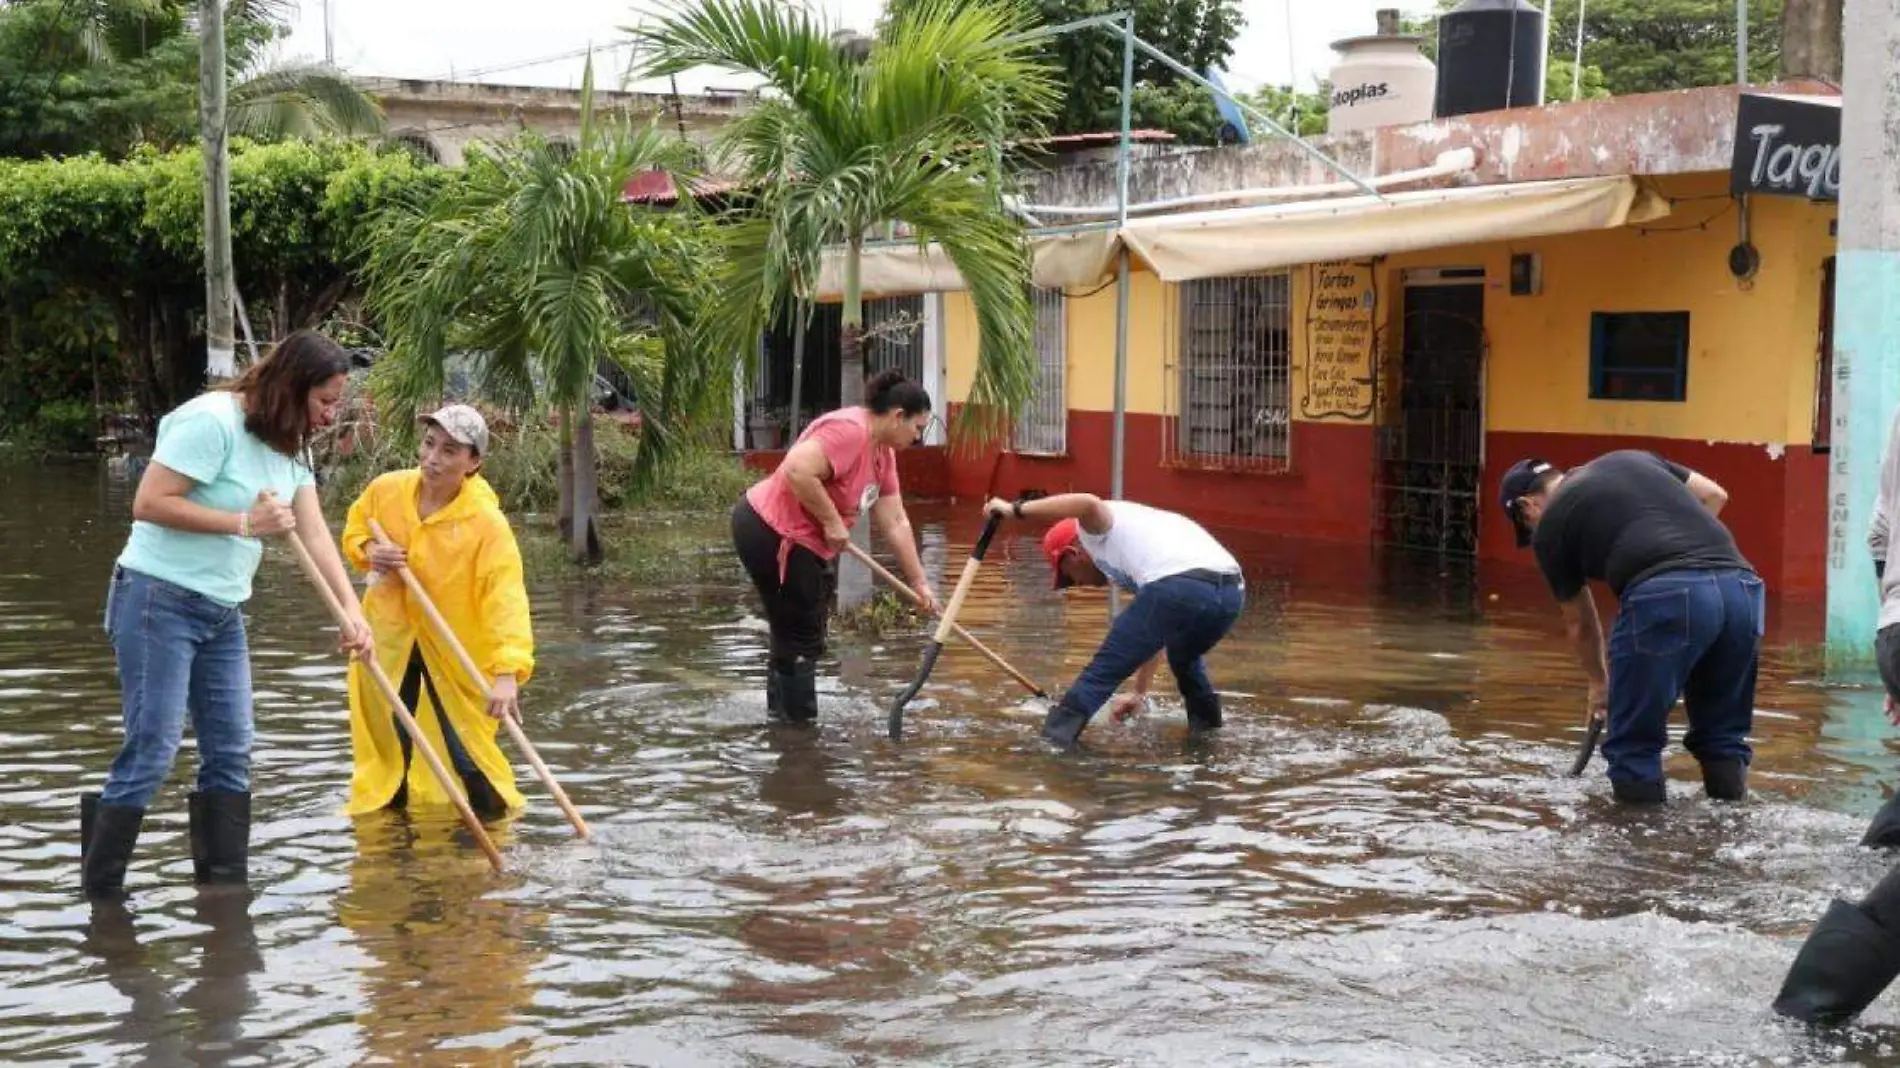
x=446, y=525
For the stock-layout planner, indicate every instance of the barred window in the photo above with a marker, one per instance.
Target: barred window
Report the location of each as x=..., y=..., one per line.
x=894, y=336
x=1232, y=393
x=1042, y=429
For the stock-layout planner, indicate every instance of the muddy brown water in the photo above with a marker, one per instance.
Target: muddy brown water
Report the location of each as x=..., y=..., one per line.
x=1380, y=862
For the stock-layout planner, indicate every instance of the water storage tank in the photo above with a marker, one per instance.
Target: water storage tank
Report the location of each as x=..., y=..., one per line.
x=1380, y=80
x=1490, y=57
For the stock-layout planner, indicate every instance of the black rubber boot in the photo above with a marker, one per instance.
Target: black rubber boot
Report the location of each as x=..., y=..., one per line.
x=797, y=694
x=483, y=797
x=1884, y=831
x=1638, y=792
x=771, y=693
x=1844, y=965
x=220, y=836
x=107, y=834
x=1063, y=726
x=1725, y=779
x=1203, y=714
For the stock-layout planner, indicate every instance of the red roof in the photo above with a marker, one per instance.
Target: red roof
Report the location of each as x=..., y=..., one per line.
x=659, y=187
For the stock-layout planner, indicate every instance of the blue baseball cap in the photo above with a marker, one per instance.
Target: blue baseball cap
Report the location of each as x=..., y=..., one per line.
x=1520, y=481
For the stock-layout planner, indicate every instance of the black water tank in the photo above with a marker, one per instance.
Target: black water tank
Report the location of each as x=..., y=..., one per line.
x=1490, y=57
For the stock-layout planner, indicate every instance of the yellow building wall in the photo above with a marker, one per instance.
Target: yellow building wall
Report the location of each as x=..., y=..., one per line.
x=1090, y=325
x=1753, y=345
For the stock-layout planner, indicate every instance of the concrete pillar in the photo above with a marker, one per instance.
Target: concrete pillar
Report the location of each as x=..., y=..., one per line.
x=1867, y=319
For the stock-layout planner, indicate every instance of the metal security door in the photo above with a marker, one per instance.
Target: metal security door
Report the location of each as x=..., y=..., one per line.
x=1431, y=450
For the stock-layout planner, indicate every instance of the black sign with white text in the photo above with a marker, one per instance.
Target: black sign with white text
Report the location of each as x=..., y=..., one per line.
x=1786, y=147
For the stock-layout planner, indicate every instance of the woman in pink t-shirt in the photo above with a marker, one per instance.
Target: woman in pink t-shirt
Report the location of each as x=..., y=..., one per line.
x=789, y=528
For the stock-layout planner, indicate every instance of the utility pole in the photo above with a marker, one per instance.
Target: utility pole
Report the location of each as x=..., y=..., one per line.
x=1867, y=320
x=329, y=36
x=220, y=340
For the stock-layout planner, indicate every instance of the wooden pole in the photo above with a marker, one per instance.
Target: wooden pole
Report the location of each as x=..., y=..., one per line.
x=476, y=676
x=408, y=721
x=955, y=628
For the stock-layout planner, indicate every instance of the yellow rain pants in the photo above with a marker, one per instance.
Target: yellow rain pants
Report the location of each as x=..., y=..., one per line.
x=467, y=561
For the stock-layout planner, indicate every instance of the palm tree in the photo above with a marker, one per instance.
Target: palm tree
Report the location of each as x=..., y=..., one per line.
x=531, y=258
x=847, y=145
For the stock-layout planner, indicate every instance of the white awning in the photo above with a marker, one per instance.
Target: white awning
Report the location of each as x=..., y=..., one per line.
x=1244, y=240
x=1232, y=241
x=1062, y=261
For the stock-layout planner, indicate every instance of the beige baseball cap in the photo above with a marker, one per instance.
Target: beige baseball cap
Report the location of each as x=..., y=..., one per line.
x=464, y=424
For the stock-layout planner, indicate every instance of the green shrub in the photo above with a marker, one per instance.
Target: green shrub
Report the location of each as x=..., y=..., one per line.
x=523, y=468
x=61, y=427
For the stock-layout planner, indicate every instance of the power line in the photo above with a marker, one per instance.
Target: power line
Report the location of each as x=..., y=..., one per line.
x=519, y=64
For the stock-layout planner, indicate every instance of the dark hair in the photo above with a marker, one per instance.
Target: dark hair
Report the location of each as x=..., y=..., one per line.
x=277, y=388
x=890, y=390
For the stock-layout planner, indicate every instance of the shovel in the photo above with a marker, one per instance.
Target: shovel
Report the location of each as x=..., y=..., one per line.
x=944, y=626
x=1588, y=746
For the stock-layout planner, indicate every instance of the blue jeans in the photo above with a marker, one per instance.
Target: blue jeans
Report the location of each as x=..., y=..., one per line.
x=1185, y=616
x=1693, y=635
x=179, y=652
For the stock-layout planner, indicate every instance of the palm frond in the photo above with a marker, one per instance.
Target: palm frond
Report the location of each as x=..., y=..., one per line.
x=952, y=69
x=991, y=252
x=783, y=42
x=301, y=101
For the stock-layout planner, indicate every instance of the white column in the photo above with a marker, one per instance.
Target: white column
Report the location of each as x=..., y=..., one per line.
x=738, y=407
x=936, y=379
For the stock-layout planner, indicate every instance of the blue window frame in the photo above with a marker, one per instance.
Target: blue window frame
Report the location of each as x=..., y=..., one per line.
x=1639, y=356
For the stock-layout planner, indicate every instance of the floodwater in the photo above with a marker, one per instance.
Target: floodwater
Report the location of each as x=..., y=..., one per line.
x=1379, y=862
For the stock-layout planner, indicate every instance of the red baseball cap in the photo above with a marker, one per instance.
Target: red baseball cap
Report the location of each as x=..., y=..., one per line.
x=1059, y=540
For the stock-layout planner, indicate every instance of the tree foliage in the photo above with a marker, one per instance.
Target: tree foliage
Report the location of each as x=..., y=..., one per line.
x=1302, y=113
x=1197, y=33
x=115, y=247
x=533, y=260
x=844, y=147
x=1648, y=46
x=108, y=75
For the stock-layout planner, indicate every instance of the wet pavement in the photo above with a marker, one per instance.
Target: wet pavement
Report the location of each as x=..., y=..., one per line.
x=1379, y=862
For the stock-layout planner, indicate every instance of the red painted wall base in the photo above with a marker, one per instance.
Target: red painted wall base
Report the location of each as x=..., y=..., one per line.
x=1777, y=507
x=1777, y=500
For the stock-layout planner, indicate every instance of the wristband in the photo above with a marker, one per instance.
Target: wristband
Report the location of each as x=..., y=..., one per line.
x=244, y=524
x=1017, y=507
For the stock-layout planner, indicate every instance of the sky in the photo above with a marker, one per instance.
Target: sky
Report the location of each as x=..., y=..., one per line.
x=542, y=42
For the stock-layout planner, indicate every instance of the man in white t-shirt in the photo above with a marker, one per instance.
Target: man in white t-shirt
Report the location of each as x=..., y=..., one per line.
x=1188, y=592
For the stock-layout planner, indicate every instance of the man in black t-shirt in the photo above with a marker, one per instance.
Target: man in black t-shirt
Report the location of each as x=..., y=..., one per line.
x=1689, y=622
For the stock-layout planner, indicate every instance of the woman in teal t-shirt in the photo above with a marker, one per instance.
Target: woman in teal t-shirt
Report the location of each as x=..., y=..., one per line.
x=224, y=466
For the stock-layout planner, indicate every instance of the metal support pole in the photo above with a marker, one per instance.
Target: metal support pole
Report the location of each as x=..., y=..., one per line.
x=1124, y=22
x=1867, y=318
x=1576, y=67
x=1332, y=164
x=220, y=342
x=1741, y=42
x=1118, y=447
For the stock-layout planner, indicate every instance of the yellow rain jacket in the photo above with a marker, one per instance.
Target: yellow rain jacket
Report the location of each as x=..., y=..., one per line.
x=466, y=560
